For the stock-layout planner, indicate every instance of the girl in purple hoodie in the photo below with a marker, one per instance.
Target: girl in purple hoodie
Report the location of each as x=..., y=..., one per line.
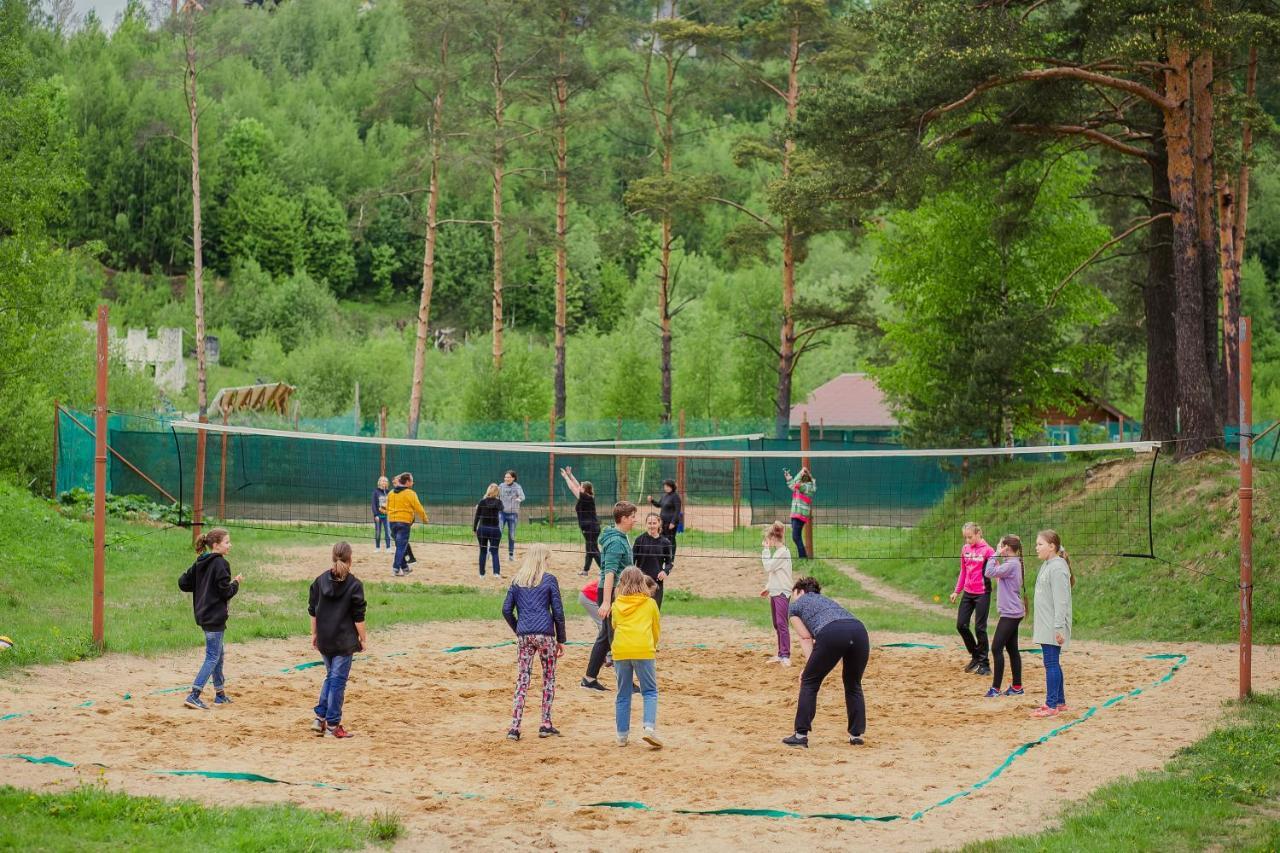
x=1005, y=568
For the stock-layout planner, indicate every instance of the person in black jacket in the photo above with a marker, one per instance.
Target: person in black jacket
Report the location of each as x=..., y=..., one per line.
x=671, y=512
x=487, y=526
x=336, y=604
x=653, y=553
x=211, y=586
x=588, y=521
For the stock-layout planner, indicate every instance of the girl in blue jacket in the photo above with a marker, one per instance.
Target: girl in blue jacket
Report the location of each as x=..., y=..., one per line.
x=535, y=612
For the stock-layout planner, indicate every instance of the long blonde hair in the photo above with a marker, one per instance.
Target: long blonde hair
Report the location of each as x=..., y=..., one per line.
x=1052, y=537
x=631, y=582
x=536, y=560
x=492, y=491
x=341, y=561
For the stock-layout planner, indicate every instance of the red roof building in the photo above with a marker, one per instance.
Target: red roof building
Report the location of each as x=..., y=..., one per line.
x=850, y=401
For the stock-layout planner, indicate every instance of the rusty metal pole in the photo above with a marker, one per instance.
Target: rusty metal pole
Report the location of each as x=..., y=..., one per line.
x=197, y=497
x=100, y=485
x=1246, y=508
x=680, y=464
x=623, y=485
x=526, y=427
x=222, y=473
x=804, y=460
x=551, y=473
x=382, y=431
x=57, y=416
x=737, y=492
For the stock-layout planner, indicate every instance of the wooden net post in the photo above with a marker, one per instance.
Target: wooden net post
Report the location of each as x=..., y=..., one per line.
x=53, y=487
x=737, y=492
x=222, y=473
x=680, y=466
x=551, y=472
x=100, y=485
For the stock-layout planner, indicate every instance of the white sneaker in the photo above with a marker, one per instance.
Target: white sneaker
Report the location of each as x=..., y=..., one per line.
x=775, y=659
x=651, y=738
x=785, y=661
x=622, y=740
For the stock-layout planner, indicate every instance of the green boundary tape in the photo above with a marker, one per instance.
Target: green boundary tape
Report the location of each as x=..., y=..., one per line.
x=1178, y=661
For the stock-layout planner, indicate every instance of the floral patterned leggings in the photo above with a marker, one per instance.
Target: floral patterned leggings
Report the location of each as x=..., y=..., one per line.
x=545, y=647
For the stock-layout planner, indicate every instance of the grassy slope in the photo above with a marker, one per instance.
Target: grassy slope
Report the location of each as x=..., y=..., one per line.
x=1196, y=524
x=1219, y=794
x=46, y=570
x=88, y=818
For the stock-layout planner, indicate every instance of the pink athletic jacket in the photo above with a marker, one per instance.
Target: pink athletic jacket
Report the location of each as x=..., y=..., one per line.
x=973, y=558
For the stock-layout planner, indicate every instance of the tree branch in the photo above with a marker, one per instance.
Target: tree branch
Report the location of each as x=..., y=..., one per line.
x=757, y=217
x=1089, y=133
x=762, y=340
x=1062, y=284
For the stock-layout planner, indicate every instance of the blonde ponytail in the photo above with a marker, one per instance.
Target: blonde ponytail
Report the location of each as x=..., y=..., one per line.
x=341, y=560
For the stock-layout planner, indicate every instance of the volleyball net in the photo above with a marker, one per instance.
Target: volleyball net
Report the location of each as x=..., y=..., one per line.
x=873, y=502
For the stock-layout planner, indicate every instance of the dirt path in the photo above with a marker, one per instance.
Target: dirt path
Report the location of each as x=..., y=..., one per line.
x=879, y=589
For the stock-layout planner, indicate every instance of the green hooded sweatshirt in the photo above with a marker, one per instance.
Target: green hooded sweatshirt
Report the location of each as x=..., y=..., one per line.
x=615, y=554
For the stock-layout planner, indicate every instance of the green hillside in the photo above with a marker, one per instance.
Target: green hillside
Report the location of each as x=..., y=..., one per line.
x=1195, y=509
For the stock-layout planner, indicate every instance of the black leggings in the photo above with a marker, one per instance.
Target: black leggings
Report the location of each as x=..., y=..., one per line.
x=1006, y=639
x=843, y=640
x=975, y=606
x=592, y=535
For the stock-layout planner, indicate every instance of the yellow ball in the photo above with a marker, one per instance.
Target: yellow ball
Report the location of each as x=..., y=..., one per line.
x=5, y=643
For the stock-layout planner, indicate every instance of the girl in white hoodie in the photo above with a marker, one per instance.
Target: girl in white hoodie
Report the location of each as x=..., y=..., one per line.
x=777, y=566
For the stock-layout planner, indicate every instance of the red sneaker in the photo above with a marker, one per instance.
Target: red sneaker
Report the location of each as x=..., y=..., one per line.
x=337, y=731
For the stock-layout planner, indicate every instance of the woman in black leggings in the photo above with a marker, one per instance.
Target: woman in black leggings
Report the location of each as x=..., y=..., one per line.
x=829, y=634
x=588, y=522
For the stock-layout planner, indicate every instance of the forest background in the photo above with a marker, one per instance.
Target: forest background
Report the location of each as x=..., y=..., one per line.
x=706, y=209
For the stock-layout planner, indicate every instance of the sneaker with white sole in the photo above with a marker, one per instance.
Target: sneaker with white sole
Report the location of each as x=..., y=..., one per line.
x=193, y=700
x=622, y=740
x=785, y=661
x=797, y=740
x=775, y=659
x=651, y=738
x=337, y=732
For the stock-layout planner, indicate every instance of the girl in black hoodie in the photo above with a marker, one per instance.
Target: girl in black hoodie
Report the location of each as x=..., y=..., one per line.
x=211, y=586
x=671, y=512
x=336, y=604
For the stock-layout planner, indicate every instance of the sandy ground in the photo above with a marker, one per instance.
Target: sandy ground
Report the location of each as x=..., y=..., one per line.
x=431, y=744
x=724, y=574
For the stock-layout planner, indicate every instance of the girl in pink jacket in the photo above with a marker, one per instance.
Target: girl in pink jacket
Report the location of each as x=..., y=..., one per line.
x=974, y=592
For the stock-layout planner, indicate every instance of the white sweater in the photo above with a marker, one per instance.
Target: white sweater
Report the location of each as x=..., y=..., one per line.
x=777, y=567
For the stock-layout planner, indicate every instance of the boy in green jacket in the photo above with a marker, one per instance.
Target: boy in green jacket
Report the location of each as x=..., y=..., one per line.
x=615, y=555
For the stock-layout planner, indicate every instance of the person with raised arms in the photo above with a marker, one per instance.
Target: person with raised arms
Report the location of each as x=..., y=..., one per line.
x=615, y=556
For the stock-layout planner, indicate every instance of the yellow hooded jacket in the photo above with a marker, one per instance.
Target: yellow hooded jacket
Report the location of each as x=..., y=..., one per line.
x=403, y=505
x=636, y=627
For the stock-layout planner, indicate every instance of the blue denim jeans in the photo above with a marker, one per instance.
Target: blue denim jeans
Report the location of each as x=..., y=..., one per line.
x=400, y=533
x=336, y=670
x=797, y=536
x=510, y=520
x=1055, y=691
x=381, y=532
x=489, y=537
x=212, y=666
x=647, y=672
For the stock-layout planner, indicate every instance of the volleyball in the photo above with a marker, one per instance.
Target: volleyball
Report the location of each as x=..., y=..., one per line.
x=5, y=643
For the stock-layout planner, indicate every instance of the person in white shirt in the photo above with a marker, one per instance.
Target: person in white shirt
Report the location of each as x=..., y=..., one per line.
x=777, y=566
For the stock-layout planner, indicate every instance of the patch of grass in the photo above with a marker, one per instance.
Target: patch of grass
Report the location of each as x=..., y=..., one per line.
x=386, y=826
x=1219, y=793
x=1195, y=526
x=88, y=817
x=46, y=578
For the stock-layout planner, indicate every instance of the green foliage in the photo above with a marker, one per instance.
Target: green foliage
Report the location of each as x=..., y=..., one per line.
x=326, y=250
x=293, y=309
x=982, y=337
x=131, y=507
x=517, y=391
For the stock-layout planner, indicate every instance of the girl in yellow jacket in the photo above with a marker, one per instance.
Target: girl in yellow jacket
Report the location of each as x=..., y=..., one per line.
x=403, y=507
x=636, y=627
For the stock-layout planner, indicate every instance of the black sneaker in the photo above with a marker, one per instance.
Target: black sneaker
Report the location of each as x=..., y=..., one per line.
x=982, y=669
x=972, y=665
x=514, y=734
x=548, y=731
x=855, y=740
x=593, y=684
x=801, y=741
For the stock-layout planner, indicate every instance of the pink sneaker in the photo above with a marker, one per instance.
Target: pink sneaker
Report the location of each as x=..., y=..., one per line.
x=1044, y=711
x=1062, y=709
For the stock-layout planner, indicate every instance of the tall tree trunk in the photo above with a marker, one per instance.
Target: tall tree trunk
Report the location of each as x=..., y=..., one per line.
x=428, y=251
x=1200, y=428
x=561, y=94
x=1160, y=408
x=1206, y=199
x=1233, y=204
x=664, y=270
x=499, y=167
x=197, y=272
x=787, y=335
